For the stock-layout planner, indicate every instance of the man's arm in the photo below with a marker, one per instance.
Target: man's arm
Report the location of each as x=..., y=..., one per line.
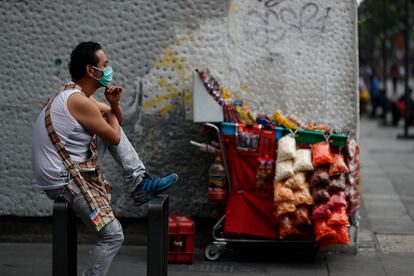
x=104, y=108
x=87, y=113
x=113, y=96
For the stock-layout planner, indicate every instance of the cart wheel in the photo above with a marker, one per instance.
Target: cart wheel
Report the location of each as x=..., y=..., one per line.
x=212, y=252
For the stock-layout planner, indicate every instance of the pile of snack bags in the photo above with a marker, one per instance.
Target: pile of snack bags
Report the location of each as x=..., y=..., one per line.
x=316, y=188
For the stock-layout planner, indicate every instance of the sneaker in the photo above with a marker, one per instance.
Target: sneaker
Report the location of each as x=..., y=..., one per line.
x=152, y=186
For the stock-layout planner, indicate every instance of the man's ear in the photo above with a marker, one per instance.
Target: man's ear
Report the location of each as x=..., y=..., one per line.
x=90, y=71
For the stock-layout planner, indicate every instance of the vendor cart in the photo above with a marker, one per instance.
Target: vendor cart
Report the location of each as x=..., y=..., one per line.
x=249, y=218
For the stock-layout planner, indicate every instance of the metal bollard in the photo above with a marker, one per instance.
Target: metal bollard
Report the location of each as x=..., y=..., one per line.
x=157, y=247
x=65, y=239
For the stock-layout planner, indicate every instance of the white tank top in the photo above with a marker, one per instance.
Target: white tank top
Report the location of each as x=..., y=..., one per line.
x=48, y=167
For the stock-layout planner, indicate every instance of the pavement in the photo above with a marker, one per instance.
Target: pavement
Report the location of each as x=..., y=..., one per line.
x=385, y=240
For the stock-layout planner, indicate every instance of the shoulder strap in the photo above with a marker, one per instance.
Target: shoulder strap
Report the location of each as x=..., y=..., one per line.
x=54, y=138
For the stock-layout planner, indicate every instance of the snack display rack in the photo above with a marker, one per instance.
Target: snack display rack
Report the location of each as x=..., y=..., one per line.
x=246, y=210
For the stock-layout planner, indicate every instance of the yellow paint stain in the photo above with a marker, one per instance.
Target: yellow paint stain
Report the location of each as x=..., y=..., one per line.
x=188, y=97
x=171, y=59
x=166, y=109
x=234, y=8
x=183, y=39
x=244, y=87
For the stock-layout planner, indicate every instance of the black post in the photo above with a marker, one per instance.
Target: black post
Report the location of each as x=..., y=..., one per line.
x=65, y=239
x=407, y=95
x=157, y=247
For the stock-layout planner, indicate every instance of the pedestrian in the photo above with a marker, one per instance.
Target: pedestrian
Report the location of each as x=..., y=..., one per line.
x=71, y=135
x=375, y=94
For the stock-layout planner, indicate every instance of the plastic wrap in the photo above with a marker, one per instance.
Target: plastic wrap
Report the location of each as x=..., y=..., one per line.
x=321, y=211
x=337, y=184
x=338, y=166
x=286, y=148
x=284, y=170
x=287, y=228
x=320, y=195
x=321, y=154
x=323, y=231
x=303, y=161
x=301, y=216
x=302, y=197
x=320, y=177
x=284, y=208
x=338, y=218
x=282, y=193
x=337, y=201
x=297, y=182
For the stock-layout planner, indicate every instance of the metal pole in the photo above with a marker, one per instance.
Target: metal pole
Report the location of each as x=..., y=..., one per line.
x=65, y=239
x=157, y=247
x=407, y=95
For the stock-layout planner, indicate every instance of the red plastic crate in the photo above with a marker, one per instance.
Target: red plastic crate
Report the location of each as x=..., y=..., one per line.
x=181, y=239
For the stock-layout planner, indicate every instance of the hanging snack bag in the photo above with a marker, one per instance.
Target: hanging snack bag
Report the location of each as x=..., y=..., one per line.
x=297, y=182
x=337, y=184
x=320, y=195
x=284, y=170
x=338, y=218
x=321, y=211
x=337, y=201
x=301, y=216
x=286, y=227
x=247, y=137
x=286, y=148
x=281, y=193
x=320, y=177
x=338, y=165
x=302, y=197
x=323, y=231
x=303, y=161
x=321, y=154
x=284, y=208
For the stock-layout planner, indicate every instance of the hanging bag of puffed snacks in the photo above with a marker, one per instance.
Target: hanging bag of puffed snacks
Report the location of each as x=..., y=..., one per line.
x=321, y=154
x=302, y=197
x=337, y=201
x=282, y=193
x=297, y=182
x=286, y=148
x=283, y=208
x=321, y=211
x=338, y=166
x=303, y=161
x=301, y=216
x=320, y=177
x=284, y=170
x=287, y=228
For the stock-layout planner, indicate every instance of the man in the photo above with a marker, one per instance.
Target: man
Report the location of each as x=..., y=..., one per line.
x=71, y=135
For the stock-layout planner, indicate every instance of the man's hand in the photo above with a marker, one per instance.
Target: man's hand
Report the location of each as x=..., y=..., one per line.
x=113, y=94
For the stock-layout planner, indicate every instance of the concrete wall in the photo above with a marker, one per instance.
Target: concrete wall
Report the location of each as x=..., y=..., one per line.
x=297, y=56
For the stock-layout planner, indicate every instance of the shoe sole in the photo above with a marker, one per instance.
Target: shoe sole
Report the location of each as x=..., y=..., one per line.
x=140, y=200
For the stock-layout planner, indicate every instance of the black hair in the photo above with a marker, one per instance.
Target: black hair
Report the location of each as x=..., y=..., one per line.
x=82, y=55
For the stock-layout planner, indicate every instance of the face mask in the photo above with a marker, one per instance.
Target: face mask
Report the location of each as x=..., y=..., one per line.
x=106, y=78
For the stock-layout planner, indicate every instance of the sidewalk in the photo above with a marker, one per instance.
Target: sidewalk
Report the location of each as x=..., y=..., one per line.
x=386, y=232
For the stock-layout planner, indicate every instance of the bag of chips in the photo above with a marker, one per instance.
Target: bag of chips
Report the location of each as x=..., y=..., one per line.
x=302, y=197
x=286, y=227
x=321, y=211
x=286, y=148
x=303, y=161
x=320, y=195
x=282, y=193
x=338, y=165
x=323, y=231
x=338, y=218
x=284, y=208
x=337, y=201
x=320, y=177
x=301, y=216
x=337, y=184
x=321, y=154
x=297, y=182
x=284, y=170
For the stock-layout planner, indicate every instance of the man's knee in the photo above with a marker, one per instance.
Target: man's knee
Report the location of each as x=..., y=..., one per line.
x=112, y=233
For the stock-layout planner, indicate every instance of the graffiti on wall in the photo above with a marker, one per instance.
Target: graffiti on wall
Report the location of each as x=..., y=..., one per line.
x=267, y=27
